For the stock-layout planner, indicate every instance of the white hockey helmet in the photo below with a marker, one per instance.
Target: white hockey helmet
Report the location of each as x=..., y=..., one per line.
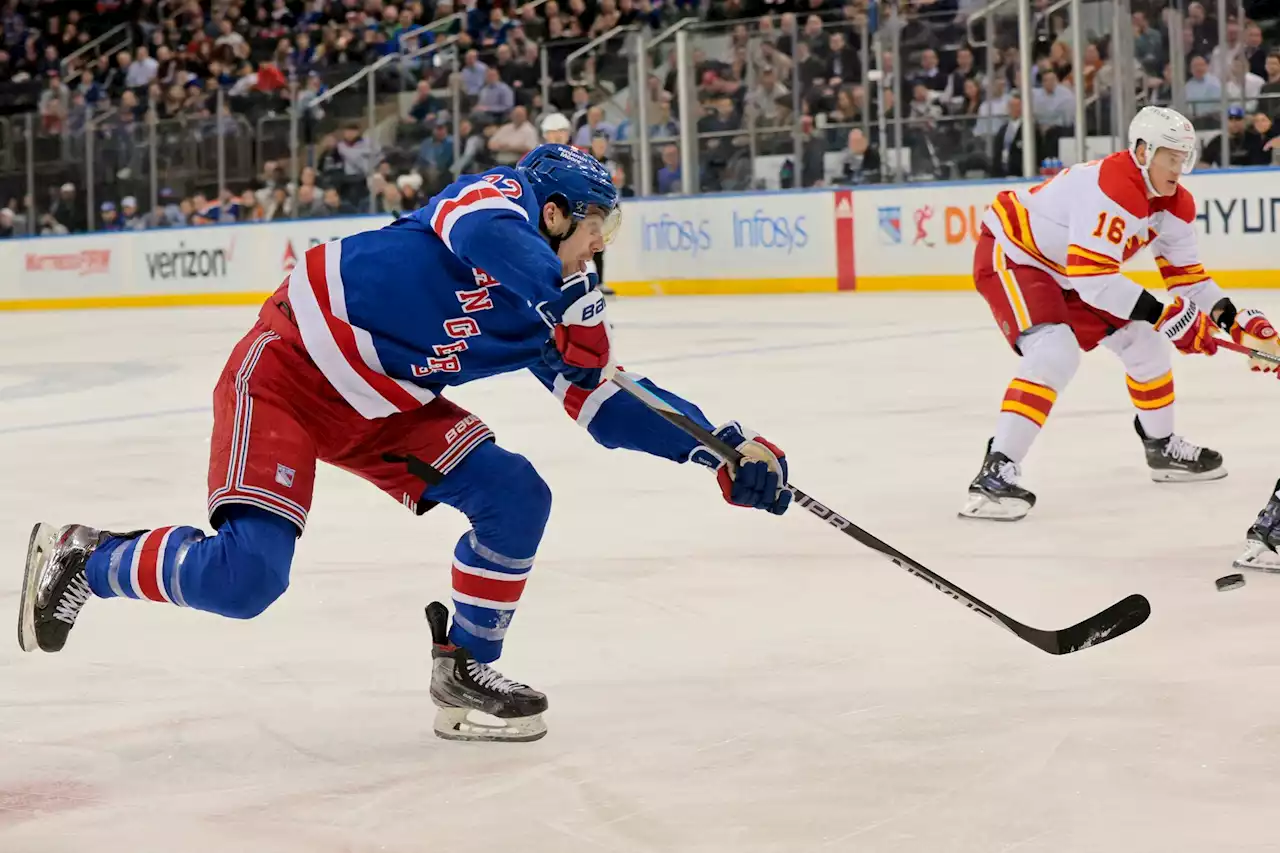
x=1161, y=127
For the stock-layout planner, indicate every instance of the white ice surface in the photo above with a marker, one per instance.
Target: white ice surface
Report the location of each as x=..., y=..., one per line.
x=719, y=680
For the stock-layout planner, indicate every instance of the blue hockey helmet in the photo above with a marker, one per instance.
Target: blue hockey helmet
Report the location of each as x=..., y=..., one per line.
x=560, y=172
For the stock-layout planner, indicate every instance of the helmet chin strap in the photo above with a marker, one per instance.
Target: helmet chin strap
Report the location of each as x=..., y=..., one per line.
x=1146, y=174
x=553, y=239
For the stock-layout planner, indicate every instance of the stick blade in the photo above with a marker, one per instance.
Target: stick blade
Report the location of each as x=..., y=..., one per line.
x=1120, y=618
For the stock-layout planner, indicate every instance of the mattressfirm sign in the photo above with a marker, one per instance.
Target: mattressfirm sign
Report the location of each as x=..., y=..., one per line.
x=66, y=266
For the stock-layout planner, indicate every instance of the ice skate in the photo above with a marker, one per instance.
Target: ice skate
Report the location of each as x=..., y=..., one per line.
x=1176, y=460
x=54, y=587
x=464, y=688
x=1263, y=538
x=994, y=495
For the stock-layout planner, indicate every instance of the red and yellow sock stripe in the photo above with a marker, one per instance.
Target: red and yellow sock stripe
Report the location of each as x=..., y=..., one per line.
x=1029, y=399
x=1155, y=394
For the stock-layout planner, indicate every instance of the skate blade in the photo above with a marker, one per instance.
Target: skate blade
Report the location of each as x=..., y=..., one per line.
x=983, y=508
x=43, y=537
x=458, y=724
x=1170, y=475
x=1259, y=558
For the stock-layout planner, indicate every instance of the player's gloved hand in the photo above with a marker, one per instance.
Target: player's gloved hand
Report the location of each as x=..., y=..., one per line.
x=1188, y=329
x=1255, y=331
x=579, y=345
x=760, y=480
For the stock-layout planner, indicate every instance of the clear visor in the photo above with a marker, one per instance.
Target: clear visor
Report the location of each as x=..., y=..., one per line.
x=1176, y=159
x=598, y=223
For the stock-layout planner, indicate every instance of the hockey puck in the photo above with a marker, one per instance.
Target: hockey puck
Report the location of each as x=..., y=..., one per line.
x=1227, y=582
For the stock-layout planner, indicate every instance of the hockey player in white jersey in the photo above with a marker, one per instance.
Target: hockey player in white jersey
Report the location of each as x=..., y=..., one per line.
x=1048, y=263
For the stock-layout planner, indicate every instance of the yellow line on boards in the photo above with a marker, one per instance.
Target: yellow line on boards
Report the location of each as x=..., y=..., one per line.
x=141, y=300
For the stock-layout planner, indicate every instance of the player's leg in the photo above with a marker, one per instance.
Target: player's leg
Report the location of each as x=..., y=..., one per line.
x=1263, y=537
x=1146, y=356
x=256, y=446
x=440, y=454
x=1030, y=310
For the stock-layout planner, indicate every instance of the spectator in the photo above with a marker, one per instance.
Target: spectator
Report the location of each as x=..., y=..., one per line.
x=110, y=218
x=669, y=175
x=6, y=223
x=581, y=103
x=1270, y=93
x=1148, y=43
x=525, y=69
x=514, y=139
x=308, y=206
x=555, y=128
x=333, y=205
x=495, y=98
x=1247, y=146
x=50, y=226
x=861, y=161
x=842, y=59
x=142, y=71
x=278, y=205
x=410, y=197
x=67, y=210
x=1006, y=156
x=964, y=71
x=358, y=153
x=1223, y=55
x=494, y=32
x=929, y=74
x=1255, y=53
x=472, y=149
x=130, y=218
x=474, y=73
x=1203, y=90
x=1244, y=86
x=1053, y=104
x=435, y=157
x=425, y=106
x=769, y=99
x=1269, y=132
x=595, y=121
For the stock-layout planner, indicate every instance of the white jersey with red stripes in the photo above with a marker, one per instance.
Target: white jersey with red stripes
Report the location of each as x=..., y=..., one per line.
x=1082, y=224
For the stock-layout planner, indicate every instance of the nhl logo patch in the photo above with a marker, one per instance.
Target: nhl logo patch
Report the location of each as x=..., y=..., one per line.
x=284, y=476
x=890, y=225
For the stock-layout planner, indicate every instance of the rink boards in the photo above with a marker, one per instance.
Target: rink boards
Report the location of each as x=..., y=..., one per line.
x=895, y=237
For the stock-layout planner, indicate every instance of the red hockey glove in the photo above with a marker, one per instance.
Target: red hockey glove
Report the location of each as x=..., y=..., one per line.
x=1254, y=330
x=1189, y=330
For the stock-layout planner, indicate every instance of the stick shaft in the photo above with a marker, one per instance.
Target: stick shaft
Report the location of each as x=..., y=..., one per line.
x=819, y=510
x=1227, y=343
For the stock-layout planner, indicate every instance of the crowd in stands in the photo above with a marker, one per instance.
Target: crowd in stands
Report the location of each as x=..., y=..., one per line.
x=777, y=77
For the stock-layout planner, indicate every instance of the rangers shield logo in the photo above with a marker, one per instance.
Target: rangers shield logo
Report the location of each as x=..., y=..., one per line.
x=284, y=475
x=890, y=225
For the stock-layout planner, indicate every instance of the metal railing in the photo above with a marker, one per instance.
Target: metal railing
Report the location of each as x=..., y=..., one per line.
x=590, y=46
x=122, y=29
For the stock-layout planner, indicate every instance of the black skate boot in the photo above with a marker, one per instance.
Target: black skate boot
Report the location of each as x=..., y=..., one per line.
x=460, y=685
x=994, y=494
x=1176, y=460
x=1263, y=538
x=54, y=587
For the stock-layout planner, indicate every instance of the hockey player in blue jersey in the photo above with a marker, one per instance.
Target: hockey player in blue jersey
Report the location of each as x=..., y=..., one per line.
x=347, y=364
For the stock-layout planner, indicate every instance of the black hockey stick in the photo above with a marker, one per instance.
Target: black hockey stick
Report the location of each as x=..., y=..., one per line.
x=1119, y=618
